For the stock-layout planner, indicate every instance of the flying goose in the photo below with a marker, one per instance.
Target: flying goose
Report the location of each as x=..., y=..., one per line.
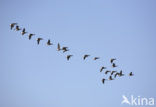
x=113, y=72
x=65, y=49
x=49, y=43
x=30, y=35
x=12, y=25
x=112, y=60
x=38, y=40
x=121, y=74
x=114, y=65
x=17, y=28
x=131, y=74
x=95, y=58
x=69, y=56
x=58, y=47
x=85, y=56
x=23, y=31
x=116, y=74
x=102, y=68
x=110, y=78
x=103, y=80
x=107, y=72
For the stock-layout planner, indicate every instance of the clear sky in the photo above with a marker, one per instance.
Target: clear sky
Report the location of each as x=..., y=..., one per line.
x=34, y=75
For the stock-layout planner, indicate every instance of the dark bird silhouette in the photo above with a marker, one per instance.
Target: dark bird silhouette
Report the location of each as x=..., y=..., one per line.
x=17, y=28
x=107, y=72
x=23, y=31
x=30, y=35
x=49, y=43
x=113, y=72
x=58, y=47
x=110, y=78
x=12, y=25
x=131, y=74
x=114, y=65
x=38, y=40
x=65, y=49
x=116, y=74
x=69, y=56
x=121, y=73
x=85, y=56
x=112, y=60
x=96, y=58
x=102, y=68
x=103, y=80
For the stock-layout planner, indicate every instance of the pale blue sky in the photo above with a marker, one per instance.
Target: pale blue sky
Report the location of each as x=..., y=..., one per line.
x=39, y=76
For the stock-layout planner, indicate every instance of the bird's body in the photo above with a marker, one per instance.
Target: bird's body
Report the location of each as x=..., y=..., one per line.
x=131, y=74
x=85, y=56
x=96, y=58
x=38, y=40
x=102, y=68
x=49, y=43
x=23, y=31
x=12, y=25
x=30, y=35
x=69, y=56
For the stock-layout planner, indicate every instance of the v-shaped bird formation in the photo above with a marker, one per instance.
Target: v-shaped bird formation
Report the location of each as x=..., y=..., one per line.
x=112, y=74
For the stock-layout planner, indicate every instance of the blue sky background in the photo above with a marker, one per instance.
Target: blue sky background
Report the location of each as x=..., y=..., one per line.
x=39, y=76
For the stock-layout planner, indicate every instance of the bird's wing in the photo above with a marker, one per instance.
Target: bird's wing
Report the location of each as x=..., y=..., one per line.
x=58, y=46
x=38, y=41
x=84, y=57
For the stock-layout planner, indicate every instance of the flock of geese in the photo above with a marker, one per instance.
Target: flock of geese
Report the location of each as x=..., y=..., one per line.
x=112, y=74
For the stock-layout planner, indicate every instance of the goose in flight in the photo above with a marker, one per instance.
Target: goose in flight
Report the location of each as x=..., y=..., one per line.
x=107, y=72
x=102, y=68
x=121, y=74
x=69, y=56
x=23, y=31
x=65, y=49
x=103, y=80
x=49, y=43
x=110, y=78
x=38, y=40
x=131, y=74
x=112, y=60
x=96, y=58
x=85, y=56
x=12, y=25
x=17, y=28
x=58, y=47
x=114, y=65
x=113, y=72
x=30, y=35
x=116, y=74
